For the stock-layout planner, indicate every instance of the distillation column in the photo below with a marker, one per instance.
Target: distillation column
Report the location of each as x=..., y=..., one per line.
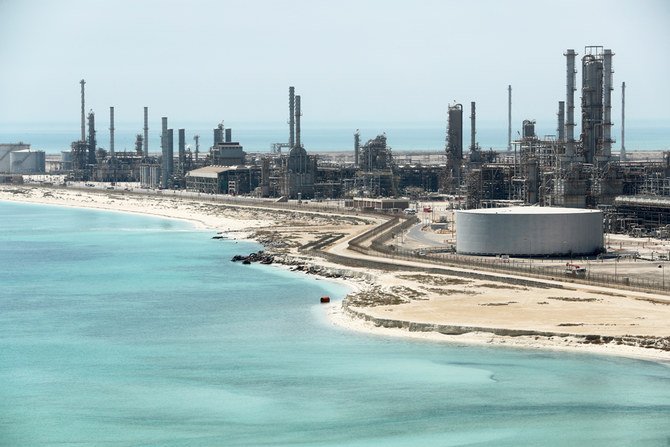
x=291, y=117
x=164, y=152
x=297, y=121
x=92, y=143
x=570, y=103
x=357, y=147
x=509, y=118
x=145, y=148
x=197, y=146
x=83, y=117
x=607, y=104
x=560, y=130
x=623, y=122
x=474, y=150
x=182, y=151
x=111, y=132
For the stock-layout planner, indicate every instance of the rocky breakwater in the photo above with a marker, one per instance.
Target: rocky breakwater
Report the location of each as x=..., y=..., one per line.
x=260, y=256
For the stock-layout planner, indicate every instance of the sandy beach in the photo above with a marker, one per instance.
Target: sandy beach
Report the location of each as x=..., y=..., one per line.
x=408, y=299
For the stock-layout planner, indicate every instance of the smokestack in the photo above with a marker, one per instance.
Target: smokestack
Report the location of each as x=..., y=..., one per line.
x=164, y=152
x=170, y=152
x=145, y=149
x=197, y=146
x=182, y=150
x=509, y=118
x=570, y=102
x=623, y=122
x=83, y=118
x=472, y=127
x=560, y=131
x=357, y=147
x=91, y=138
x=291, y=114
x=111, y=131
x=297, y=121
x=607, y=103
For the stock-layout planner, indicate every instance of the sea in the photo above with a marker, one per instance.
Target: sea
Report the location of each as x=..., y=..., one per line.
x=126, y=330
x=319, y=137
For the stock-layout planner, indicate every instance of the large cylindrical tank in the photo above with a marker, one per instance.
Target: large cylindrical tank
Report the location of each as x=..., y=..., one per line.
x=524, y=231
x=27, y=162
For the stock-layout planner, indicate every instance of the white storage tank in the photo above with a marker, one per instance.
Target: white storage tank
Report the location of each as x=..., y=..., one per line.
x=524, y=231
x=5, y=150
x=27, y=162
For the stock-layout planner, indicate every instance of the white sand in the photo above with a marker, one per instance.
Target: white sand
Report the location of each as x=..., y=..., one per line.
x=580, y=310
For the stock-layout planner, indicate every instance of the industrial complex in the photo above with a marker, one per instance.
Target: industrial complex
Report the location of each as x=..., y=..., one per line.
x=565, y=170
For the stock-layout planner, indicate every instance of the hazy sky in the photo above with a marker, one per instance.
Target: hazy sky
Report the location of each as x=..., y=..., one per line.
x=352, y=61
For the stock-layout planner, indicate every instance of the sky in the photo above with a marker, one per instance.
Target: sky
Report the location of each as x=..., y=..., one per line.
x=352, y=61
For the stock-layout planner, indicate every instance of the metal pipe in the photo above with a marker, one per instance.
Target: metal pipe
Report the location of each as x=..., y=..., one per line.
x=170, y=152
x=291, y=114
x=357, y=147
x=182, y=150
x=111, y=131
x=607, y=103
x=92, y=143
x=197, y=146
x=570, y=102
x=560, y=131
x=164, y=152
x=622, y=156
x=83, y=117
x=297, y=121
x=472, y=127
x=145, y=149
x=509, y=117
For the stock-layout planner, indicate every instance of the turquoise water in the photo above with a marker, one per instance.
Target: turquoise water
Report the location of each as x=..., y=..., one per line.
x=126, y=330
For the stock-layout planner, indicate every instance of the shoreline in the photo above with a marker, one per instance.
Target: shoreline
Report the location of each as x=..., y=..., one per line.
x=246, y=223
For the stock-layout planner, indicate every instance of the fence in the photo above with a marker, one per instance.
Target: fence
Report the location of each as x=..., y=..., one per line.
x=393, y=227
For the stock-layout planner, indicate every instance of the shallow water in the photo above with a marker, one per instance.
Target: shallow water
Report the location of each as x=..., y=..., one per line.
x=126, y=330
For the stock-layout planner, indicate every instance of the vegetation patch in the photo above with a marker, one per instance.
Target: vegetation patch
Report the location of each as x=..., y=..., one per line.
x=498, y=304
x=573, y=299
x=449, y=292
x=407, y=292
x=375, y=297
x=435, y=280
x=491, y=285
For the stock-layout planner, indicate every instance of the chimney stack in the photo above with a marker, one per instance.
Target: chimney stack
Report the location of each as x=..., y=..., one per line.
x=570, y=102
x=560, y=130
x=291, y=114
x=145, y=149
x=297, y=121
x=83, y=117
x=111, y=131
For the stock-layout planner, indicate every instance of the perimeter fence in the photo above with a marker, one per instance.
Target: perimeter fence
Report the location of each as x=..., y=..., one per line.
x=529, y=268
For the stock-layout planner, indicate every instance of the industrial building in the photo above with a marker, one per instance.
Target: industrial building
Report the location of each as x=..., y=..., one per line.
x=571, y=169
x=529, y=231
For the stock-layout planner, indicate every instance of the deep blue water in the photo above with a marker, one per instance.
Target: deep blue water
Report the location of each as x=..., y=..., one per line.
x=318, y=137
x=126, y=330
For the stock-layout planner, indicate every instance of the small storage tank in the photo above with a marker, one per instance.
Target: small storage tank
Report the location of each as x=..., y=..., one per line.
x=5, y=150
x=66, y=160
x=529, y=231
x=27, y=162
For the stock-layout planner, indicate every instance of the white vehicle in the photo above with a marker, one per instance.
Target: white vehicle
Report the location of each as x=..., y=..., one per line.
x=409, y=211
